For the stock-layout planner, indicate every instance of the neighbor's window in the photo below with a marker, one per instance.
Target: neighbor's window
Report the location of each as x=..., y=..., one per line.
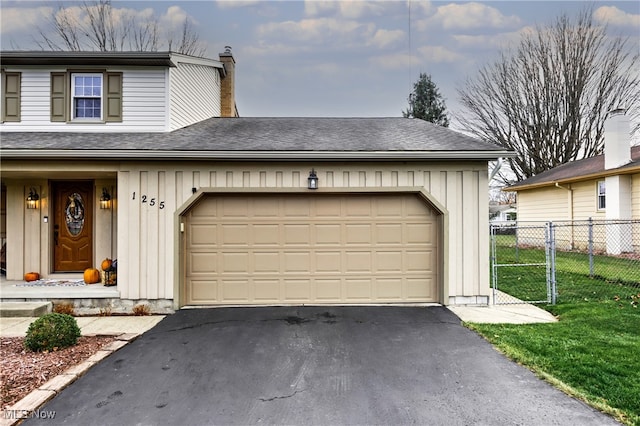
x=601, y=195
x=86, y=90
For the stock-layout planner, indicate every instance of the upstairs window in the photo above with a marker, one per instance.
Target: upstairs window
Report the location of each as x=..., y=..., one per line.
x=601, y=195
x=86, y=96
x=86, y=92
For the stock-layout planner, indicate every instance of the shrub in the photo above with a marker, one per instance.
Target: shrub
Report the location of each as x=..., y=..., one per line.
x=64, y=308
x=52, y=331
x=141, y=309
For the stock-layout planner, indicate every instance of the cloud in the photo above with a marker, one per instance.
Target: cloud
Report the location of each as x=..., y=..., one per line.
x=468, y=16
x=440, y=54
x=613, y=16
x=395, y=61
x=231, y=4
x=491, y=41
x=350, y=9
x=18, y=19
x=316, y=30
x=384, y=38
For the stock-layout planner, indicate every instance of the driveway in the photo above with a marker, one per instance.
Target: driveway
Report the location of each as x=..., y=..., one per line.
x=313, y=365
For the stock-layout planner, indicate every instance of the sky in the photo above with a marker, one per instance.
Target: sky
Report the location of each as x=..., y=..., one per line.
x=345, y=58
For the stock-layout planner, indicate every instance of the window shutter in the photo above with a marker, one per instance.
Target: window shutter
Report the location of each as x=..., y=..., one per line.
x=113, y=97
x=11, y=96
x=59, y=102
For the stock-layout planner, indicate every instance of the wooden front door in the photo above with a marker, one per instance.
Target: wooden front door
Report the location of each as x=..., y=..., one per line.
x=73, y=225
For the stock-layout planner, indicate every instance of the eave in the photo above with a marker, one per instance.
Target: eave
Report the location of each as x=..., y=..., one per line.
x=252, y=155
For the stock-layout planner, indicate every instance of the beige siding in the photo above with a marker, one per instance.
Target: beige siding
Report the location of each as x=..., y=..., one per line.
x=147, y=232
x=543, y=204
x=195, y=94
x=144, y=105
x=635, y=208
x=585, y=201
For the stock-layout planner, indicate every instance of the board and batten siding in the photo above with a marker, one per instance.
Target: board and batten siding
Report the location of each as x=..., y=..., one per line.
x=195, y=94
x=150, y=194
x=144, y=104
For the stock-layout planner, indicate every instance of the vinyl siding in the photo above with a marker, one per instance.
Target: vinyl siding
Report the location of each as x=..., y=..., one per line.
x=585, y=201
x=143, y=104
x=543, y=204
x=195, y=94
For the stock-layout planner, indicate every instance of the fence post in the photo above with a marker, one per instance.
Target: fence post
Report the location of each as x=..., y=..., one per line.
x=517, y=250
x=494, y=268
x=590, y=247
x=551, y=263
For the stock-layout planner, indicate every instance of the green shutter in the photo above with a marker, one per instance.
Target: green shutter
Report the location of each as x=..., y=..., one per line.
x=11, y=96
x=113, y=96
x=59, y=102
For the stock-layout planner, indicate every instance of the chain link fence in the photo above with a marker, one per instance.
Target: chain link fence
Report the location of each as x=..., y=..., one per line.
x=565, y=262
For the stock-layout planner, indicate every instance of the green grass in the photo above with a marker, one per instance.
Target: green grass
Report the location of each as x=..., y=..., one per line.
x=593, y=352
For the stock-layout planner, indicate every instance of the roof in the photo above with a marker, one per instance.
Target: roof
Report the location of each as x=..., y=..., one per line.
x=263, y=138
x=588, y=168
x=65, y=58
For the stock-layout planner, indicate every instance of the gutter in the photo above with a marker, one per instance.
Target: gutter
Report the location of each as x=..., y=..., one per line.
x=250, y=155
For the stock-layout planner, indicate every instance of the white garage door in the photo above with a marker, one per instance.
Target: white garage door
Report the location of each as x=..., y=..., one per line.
x=310, y=249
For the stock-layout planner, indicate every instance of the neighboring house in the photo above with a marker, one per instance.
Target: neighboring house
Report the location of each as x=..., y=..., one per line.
x=200, y=209
x=502, y=213
x=605, y=187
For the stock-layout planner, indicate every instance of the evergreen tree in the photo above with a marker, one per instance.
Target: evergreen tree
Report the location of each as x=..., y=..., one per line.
x=426, y=102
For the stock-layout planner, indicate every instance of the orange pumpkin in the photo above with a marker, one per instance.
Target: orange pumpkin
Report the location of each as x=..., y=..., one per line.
x=91, y=276
x=31, y=276
x=106, y=264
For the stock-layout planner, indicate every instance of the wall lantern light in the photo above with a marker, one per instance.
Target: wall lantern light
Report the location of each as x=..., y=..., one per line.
x=32, y=199
x=105, y=199
x=312, y=180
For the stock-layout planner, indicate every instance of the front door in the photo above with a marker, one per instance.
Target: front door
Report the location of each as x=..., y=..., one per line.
x=72, y=225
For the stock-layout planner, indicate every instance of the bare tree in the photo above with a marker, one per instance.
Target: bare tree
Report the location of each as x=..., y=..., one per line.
x=549, y=97
x=98, y=26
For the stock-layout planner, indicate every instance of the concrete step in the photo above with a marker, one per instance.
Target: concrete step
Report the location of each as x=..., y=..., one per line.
x=24, y=309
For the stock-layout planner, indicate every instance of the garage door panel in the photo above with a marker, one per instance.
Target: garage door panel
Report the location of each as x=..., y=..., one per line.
x=320, y=248
x=237, y=262
x=297, y=290
x=328, y=234
x=329, y=290
x=202, y=263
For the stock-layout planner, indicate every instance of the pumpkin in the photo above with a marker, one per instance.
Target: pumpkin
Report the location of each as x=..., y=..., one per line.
x=91, y=276
x=31, y=276
x=106, y=264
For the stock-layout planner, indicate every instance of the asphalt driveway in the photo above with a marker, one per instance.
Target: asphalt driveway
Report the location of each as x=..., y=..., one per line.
x=313, y=365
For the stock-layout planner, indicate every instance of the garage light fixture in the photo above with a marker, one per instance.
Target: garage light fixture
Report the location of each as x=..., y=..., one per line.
x=105, y=199
x=312, y=180
x=32, y=199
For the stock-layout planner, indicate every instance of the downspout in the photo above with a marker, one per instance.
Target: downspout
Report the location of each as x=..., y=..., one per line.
x=570, y=201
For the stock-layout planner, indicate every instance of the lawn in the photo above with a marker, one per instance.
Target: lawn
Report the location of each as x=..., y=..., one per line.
x=593, y=352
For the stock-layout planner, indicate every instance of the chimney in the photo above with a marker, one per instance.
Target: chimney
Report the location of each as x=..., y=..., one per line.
x=617, y=140
x=228, y=92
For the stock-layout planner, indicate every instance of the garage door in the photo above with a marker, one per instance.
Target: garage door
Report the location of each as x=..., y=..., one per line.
x=310, y=249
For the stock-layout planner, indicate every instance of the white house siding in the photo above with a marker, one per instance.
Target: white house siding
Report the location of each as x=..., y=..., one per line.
x=147, y=258
x=195, y=94
x=635, y=208
x=144, y=105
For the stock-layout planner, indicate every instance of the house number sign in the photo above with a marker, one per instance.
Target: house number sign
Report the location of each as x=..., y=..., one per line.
x=151, y=201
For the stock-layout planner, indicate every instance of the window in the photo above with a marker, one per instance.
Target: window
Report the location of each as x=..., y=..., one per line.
x=86, y=96
x=86, y=92
x=601, y=195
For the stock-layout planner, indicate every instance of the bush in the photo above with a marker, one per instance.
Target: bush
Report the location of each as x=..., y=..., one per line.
x=64, y=308
x=52, y=331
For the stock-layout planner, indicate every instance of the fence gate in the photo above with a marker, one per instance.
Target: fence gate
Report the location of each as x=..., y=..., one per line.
x=572, y=261
x=522, y=263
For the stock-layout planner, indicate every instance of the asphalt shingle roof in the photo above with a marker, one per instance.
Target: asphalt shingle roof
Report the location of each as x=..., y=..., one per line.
x=267, y=134
x=576, y=170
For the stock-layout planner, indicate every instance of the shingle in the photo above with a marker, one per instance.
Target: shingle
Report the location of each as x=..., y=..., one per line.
x=266, y=134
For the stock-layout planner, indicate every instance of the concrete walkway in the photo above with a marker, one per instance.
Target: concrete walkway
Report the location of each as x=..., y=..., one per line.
x=111, y=325
x=115, y=325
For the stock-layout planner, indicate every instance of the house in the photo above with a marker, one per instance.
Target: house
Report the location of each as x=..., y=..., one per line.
x=601, y=188
x=142, y=158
